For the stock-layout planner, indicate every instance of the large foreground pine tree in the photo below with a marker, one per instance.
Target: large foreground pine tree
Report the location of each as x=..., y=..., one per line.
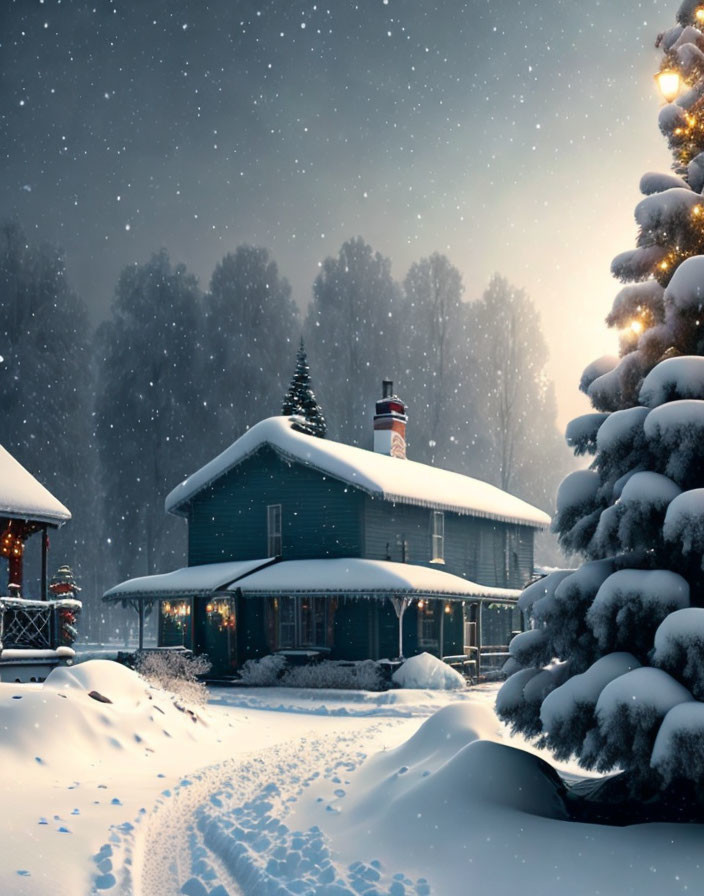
x=612, y=669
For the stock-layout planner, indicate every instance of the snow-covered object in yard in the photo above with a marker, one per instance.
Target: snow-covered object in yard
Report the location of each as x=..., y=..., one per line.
x=567, y=713
x=679, y=648
x=677, y=752
x=667, y=209
x=657, y=182
x=629, y=712
x=673, y=379
x=23, y=497
x=581, y=432
x=685, y=292
x=193, y=581
x=596, y=369
x=631, y=603
x=427, y=673
x=357, y=575
x=684, y=523
x=389, y=478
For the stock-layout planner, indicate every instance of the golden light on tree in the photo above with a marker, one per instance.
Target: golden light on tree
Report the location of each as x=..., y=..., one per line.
x=637, y=327
x=699, y=15
x=669, y=82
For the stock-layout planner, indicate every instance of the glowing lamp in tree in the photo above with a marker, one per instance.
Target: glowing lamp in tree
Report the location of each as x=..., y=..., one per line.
x=669, y=83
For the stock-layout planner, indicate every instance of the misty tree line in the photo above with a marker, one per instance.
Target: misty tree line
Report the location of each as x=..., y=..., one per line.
x=110, y=420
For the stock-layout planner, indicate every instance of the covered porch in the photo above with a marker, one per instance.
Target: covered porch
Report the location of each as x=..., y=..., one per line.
x=348, y=609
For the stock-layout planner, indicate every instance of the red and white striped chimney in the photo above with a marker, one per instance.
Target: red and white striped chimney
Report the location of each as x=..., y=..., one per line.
x=390, y=423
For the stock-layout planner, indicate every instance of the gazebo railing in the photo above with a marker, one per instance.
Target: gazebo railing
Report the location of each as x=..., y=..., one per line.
x=37, y=625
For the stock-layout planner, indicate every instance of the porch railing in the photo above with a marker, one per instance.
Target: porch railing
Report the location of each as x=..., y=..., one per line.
x=36, y=624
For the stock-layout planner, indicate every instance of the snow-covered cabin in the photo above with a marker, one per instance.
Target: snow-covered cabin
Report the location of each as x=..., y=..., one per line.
x=35, y=633
x=297, y=543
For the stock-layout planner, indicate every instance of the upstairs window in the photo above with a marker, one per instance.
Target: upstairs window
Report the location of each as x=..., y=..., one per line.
x=273, y=530
x=437, y=538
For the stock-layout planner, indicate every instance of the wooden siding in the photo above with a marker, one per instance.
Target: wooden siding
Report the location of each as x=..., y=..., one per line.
x=483, y=551
x=321, y=517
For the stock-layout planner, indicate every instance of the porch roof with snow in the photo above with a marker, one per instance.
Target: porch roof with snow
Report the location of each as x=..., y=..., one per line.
x=393, y=479
x=25, y=498
x=347, y=576
x=192, y=581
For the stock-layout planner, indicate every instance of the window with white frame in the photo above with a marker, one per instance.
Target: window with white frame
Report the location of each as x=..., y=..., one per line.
x=437, y=537
x=273, y=530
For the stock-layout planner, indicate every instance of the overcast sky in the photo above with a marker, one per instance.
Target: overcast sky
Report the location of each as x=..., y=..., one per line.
x=509, y=135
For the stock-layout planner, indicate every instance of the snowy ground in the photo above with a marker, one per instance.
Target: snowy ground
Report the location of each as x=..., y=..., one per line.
x=280, y=791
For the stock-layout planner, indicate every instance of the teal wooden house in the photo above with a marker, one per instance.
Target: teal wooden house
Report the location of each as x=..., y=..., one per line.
x=306, y=545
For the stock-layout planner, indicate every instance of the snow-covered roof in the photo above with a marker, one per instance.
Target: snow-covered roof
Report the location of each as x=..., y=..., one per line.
x=332, y=576
x=23, y=497
x=393, y=479
x=194, y=581
x=354, y=575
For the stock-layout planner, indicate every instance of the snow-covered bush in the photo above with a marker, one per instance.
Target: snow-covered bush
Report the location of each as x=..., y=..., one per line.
x=273, y=671
x=265, y=672
x=363, y=676
x=176, y=672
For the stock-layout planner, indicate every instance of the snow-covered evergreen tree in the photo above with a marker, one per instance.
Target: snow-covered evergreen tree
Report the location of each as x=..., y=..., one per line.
x=300, y=399
x=611, y=669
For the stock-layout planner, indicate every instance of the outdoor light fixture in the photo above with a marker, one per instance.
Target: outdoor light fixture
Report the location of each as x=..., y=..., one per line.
x=668, y=83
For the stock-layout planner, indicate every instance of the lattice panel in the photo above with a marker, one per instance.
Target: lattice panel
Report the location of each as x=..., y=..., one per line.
x=26, y=627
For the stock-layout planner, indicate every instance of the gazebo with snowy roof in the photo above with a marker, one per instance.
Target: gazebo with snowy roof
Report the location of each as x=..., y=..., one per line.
x=303, y=544
x=35, y=634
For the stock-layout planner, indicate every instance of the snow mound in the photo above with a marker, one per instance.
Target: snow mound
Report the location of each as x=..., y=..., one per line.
x=97, y=712
x=674, y=378
x=427, y=673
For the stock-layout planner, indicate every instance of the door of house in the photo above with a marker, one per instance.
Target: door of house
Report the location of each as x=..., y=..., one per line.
x=218, y=634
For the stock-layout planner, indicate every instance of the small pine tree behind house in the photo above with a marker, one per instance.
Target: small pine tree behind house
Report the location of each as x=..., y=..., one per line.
x=300, y=400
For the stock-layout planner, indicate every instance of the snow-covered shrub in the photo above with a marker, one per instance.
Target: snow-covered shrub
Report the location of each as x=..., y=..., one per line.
x=176, y=672
x=265, y=672
x=363, y=676
x=631, y=604
x=568, y=713
x=273, y=671
x=679, y=648
x=427, y=672
x=629, y=712
x=677, y=752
